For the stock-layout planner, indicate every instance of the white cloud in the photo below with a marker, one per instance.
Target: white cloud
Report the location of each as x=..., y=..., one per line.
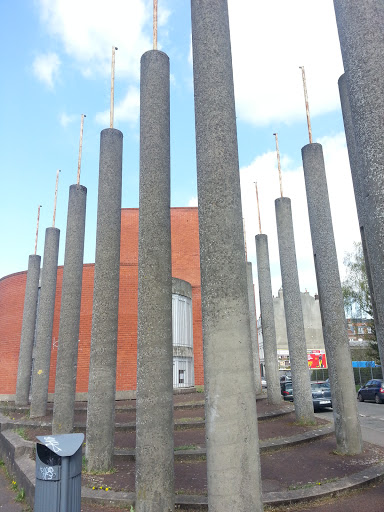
x=66, y=119
x=89, y=28
x=193, y=201
x=46, y=68
x=264, y=170
x=163, y=15
x=270, y=40
x=126, y=110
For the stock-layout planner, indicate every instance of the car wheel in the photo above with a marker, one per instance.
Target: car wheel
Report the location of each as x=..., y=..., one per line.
x=361, y=399
x=377, y=399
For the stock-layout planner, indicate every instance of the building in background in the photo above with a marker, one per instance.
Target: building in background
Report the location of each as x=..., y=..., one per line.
x=186, y=310
x=312, y=327
x=361, y=333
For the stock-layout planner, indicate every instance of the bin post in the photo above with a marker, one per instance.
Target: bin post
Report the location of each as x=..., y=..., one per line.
x=64, y=487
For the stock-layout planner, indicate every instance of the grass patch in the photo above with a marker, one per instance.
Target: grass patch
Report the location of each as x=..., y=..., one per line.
x=22, y=433
x=303, y=423
x=339, y=454
x=185, y=447
x=84, y=466
x=199, y=389
x=190, y=420
x=20, y=496
x=191, y=492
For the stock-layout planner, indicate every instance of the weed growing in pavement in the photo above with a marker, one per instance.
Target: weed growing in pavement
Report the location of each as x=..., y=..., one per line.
x=190, y=420
x=339, y=454
x=22, y=433
x=186, y=447
x=199, y=389
x=20, y=496
x=311, y=484
x=303, y=423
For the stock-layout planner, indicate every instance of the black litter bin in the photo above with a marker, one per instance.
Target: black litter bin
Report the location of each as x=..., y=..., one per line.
x=58, y=473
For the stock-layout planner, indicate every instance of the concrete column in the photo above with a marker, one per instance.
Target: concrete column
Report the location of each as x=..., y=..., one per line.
x=293, y=312
x=102, y=368
x=253, y=325
x=233, y=462
x=66, y=366
x=42, y=352
x=28, y=330
x=357, y=178
x=268, y=320
x=336, y=341
x=361, y=27
x=154, y=415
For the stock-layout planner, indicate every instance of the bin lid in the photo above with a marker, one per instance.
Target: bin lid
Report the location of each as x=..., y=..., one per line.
x=64, y=445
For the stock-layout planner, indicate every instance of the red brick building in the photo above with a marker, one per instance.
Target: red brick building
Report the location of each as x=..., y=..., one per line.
x=185, y=265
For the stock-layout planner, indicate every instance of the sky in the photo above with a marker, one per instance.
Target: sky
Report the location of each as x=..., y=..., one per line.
x=56, y=61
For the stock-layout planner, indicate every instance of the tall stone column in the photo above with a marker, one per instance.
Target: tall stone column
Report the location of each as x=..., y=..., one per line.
x=253, y=324
x=268, y=320
x=28, y=330
x=347, y=426
x=233, y=462
x=154, y=415
x=361, y=28
x=42, y=353
x=293, y=312
x=102, y=368
x=357, y=178
x=66, y=366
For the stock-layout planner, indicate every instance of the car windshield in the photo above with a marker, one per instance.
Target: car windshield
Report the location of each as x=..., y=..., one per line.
x=320, y=386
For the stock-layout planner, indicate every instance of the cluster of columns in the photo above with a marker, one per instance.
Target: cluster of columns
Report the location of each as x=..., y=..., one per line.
x=231, y=382
x=360, y=26
x=360, y=29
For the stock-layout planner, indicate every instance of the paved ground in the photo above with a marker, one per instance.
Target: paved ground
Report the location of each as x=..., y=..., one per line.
x=370, y=499
x=7, y=496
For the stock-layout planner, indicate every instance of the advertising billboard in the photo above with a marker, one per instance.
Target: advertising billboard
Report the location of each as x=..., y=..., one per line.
x=317, y=359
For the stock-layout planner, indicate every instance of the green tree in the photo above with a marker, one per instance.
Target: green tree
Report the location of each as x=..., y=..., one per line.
x=357, y=297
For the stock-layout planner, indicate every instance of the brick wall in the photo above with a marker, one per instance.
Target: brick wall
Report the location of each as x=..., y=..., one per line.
x=12, y=290
x=185, y=265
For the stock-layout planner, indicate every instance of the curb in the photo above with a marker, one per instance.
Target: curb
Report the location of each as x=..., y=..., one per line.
x=363, y=478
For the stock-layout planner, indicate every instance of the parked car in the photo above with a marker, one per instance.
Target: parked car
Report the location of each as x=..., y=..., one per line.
x=373, y=390
x=263, y=382
x=285, y=378
x=286, y=390
x=321, y=395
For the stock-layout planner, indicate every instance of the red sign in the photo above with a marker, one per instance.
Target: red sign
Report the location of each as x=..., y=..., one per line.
x=317, y=360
